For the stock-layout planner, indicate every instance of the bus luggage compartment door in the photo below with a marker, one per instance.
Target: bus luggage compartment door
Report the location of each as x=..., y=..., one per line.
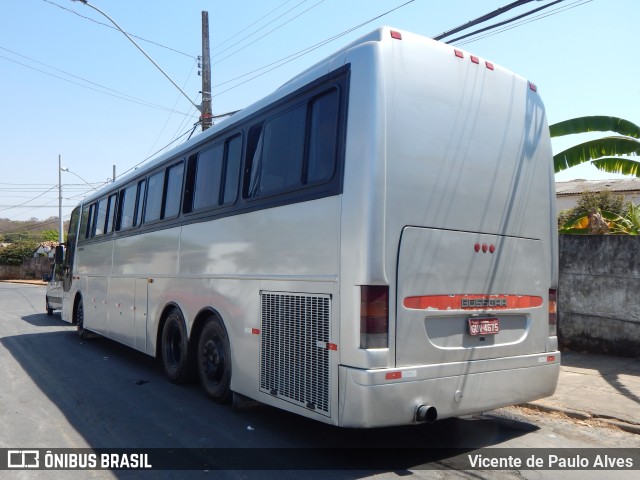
x=469, y=296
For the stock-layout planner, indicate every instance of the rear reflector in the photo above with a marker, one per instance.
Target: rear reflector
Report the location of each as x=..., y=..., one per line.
x=374, y=316
x=475, y=60
x=533, y=87
x=489, y=65
x=472, y=302
x=459, y=53
x=396, y=35
x=553, y=315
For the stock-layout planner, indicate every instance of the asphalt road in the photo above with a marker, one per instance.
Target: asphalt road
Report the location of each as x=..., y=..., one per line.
x=57, y=391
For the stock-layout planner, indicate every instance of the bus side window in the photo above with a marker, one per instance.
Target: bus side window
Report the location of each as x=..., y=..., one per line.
x=142, y=186
x=126, y=212
x=173, y=191
x=111, y=210
x=207, y=177
x=232, y=169
x=155, y=189
x=91, y=221
x=323, y=138
x=101, y=217
x=84, y=222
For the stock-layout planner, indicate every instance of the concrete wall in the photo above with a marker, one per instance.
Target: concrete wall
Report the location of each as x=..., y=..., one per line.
x=10, y=272
x=599, y=294
x=31, y=268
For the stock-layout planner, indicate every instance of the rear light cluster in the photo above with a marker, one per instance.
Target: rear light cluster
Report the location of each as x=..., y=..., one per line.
x=474, y=59
x=553, y=315
x=374, y=316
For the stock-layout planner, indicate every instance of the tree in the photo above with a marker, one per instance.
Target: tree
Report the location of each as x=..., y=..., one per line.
x=15, y=253
x=49, y=235
x=609, y=154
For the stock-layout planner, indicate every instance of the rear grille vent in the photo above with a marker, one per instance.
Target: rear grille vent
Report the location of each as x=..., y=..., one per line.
x=294, y=360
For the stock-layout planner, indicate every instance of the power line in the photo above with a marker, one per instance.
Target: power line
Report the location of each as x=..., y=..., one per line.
x=294, y=56
x=483, y=18
x=577, y=3
x=266, y=34
x=132, y=100
x=113, y=28
x=251, y=25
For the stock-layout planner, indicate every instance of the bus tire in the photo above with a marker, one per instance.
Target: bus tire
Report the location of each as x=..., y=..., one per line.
x=214, y=361
x=174, y=349
x=78, y=319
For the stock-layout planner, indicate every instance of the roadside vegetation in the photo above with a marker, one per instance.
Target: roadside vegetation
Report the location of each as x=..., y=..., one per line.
x=19, y=239
x=601, y=212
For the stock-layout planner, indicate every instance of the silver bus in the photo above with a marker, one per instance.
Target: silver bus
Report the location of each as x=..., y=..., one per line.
x=373, y=244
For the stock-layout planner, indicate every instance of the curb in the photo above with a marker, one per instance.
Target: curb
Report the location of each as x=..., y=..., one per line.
x=579, y=415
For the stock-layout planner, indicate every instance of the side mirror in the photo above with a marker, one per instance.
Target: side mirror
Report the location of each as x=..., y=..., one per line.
x=59, y=258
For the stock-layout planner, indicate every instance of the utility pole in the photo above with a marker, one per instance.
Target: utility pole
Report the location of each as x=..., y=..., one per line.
x=60, y=224
x=206, y=115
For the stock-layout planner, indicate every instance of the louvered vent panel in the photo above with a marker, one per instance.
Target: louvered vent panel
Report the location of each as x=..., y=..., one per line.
x=294, y=358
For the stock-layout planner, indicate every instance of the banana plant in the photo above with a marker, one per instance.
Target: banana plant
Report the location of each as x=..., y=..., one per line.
x=610, y=154
x=603, y=222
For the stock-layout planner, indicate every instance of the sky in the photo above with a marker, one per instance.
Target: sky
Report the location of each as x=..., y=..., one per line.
x=76, y=89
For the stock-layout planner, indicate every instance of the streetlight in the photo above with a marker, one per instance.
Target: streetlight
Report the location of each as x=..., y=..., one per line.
x=66, y=169
x=198, y=107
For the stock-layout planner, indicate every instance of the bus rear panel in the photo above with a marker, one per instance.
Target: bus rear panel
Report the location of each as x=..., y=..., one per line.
x=456, y=217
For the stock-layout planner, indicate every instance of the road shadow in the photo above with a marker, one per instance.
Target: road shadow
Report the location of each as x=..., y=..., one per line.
x=44, y=320
x=116, y=397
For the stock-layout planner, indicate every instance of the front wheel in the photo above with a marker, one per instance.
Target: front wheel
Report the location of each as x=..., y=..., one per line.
x=214, y=361
x=78, y=319
x=49, y=309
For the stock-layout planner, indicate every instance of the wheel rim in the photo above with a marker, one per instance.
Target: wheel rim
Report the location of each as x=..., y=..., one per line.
x=213, y=360
x=80, y=317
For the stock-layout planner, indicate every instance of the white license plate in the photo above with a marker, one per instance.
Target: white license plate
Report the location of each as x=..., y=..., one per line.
x=483, y=326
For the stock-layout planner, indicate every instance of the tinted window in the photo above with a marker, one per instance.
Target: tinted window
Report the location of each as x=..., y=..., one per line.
x=232, y=172
x=277, y=162
x=127, y=207
x=155, y=189
x=324, y=137
x=173, y=195
x=208, y=174
x=84, y=222
x=101, y=216
x=111, y=209
x=137, y=219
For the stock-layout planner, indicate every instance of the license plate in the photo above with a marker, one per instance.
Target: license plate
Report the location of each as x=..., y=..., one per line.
x=483, y=326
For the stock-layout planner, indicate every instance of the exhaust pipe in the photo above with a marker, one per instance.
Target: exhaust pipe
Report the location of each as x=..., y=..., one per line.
x=426, y=413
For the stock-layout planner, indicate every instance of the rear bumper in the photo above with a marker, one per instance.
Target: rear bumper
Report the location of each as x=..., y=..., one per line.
x=384, y=397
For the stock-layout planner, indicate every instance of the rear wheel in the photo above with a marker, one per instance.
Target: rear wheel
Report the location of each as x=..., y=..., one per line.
x=175, y=349
x=49, y=309
x=214, y=361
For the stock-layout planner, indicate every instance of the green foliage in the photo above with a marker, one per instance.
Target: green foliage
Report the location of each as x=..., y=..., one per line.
x=49, y=236
x=610, y=154
x=604, y=200
x=15, y=253
x=601, y=213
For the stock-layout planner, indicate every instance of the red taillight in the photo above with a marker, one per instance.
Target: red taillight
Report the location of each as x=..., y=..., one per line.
x=553, y=315
x=396, y=35
x=374, y=316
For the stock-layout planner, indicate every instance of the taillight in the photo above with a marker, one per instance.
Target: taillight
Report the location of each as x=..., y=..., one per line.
x=553, y=315
x=374, y=316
